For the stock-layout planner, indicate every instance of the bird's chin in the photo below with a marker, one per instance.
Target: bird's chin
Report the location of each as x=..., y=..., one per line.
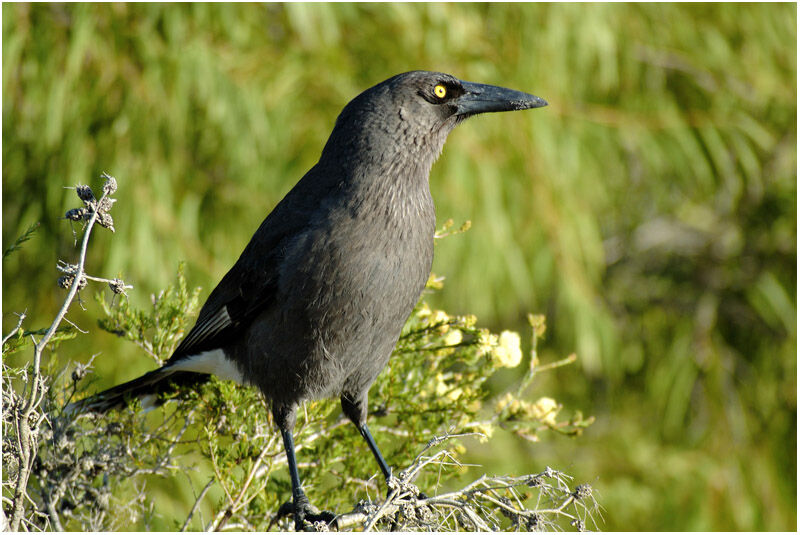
x=445, y=127
x=461, y=117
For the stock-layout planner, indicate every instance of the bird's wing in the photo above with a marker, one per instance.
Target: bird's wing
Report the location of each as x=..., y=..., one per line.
x=252, y=283
x=235, y=302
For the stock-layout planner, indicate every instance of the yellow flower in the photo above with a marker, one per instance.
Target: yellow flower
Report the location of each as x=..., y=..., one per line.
x=441, y=385
x=545, y=410
x=453, y=338
x=486, y=429
x=424, y=311
x=537, y=321
x=440, y=319
x=455, y=394
x=439, y=316
x=503, y=402
x=442, y=388
x=508, y=353
x=469, y=320
x=486, y=342
x=434, y=282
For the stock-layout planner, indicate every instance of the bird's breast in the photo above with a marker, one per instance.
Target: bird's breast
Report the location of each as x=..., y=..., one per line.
x=366, y=261
x=346, y=285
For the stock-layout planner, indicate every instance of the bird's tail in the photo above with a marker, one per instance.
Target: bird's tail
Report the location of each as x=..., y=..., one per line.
x=150, y=389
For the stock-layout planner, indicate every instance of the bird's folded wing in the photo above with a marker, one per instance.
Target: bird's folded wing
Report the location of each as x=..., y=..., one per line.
x=251, y=284
x=229, y=310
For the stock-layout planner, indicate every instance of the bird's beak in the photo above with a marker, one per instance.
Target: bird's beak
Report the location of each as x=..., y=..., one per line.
x=482, y=98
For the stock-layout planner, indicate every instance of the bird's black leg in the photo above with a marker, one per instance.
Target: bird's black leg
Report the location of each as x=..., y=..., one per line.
x=302, y=509
x=355, y=408
x=387, y=472
x=299, y=498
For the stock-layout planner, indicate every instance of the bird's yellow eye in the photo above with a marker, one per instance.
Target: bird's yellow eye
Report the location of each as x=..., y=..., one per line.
x=440, y=91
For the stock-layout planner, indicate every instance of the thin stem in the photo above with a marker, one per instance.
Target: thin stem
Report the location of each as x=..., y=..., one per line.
x=28, y=449
x=197, y=504
x=16, y=329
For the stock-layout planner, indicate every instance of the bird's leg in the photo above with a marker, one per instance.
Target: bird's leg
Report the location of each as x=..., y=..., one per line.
x=301, y=508
x=387, y=472
x=355, y=408
x=357, y=412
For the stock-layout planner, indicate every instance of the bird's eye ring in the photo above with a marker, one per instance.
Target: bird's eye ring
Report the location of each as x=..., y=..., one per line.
x=440, y=91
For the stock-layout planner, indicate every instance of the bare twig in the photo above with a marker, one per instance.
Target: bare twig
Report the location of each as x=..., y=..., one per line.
x=480, y=505
x=197, y=504
x=28, y=417
x=16, y=329
x=234, y=505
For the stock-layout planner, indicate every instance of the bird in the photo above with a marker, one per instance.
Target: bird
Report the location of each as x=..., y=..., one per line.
x=316, y=302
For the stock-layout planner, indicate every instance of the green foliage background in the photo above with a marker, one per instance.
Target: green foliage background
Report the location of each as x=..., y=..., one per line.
x=649, y=211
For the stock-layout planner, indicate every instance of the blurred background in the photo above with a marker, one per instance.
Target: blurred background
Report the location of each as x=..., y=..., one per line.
x=650, y=211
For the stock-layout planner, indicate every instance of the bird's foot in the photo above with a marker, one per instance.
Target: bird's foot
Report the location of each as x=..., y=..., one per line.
x=403, y=488
x=306, y=516
x=407, y=497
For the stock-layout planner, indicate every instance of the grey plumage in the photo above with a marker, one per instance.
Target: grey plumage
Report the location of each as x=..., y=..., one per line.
x=315, y=303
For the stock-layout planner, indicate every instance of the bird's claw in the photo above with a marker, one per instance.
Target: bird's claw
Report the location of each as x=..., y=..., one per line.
x=306, y=516
x=393, y=483
x=321, y=521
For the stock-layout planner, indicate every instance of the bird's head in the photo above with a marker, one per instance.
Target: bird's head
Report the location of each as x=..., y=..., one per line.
x=436, y=99
x=412, y=113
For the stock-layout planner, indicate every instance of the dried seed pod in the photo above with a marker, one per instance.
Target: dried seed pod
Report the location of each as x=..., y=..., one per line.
x=117, y=286
x=65, y=281
x=582, y=491
x=111, y=184
x=65, y=267
x=105, y=204
x=85, y=193
x=79, y=372
x=104, y=219
x=76, y=214
x=535, y=481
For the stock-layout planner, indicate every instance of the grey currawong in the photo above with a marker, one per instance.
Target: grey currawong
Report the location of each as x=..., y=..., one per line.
x=316, y=302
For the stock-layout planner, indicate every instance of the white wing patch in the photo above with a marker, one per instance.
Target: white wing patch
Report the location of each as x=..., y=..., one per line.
x=214, y=362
